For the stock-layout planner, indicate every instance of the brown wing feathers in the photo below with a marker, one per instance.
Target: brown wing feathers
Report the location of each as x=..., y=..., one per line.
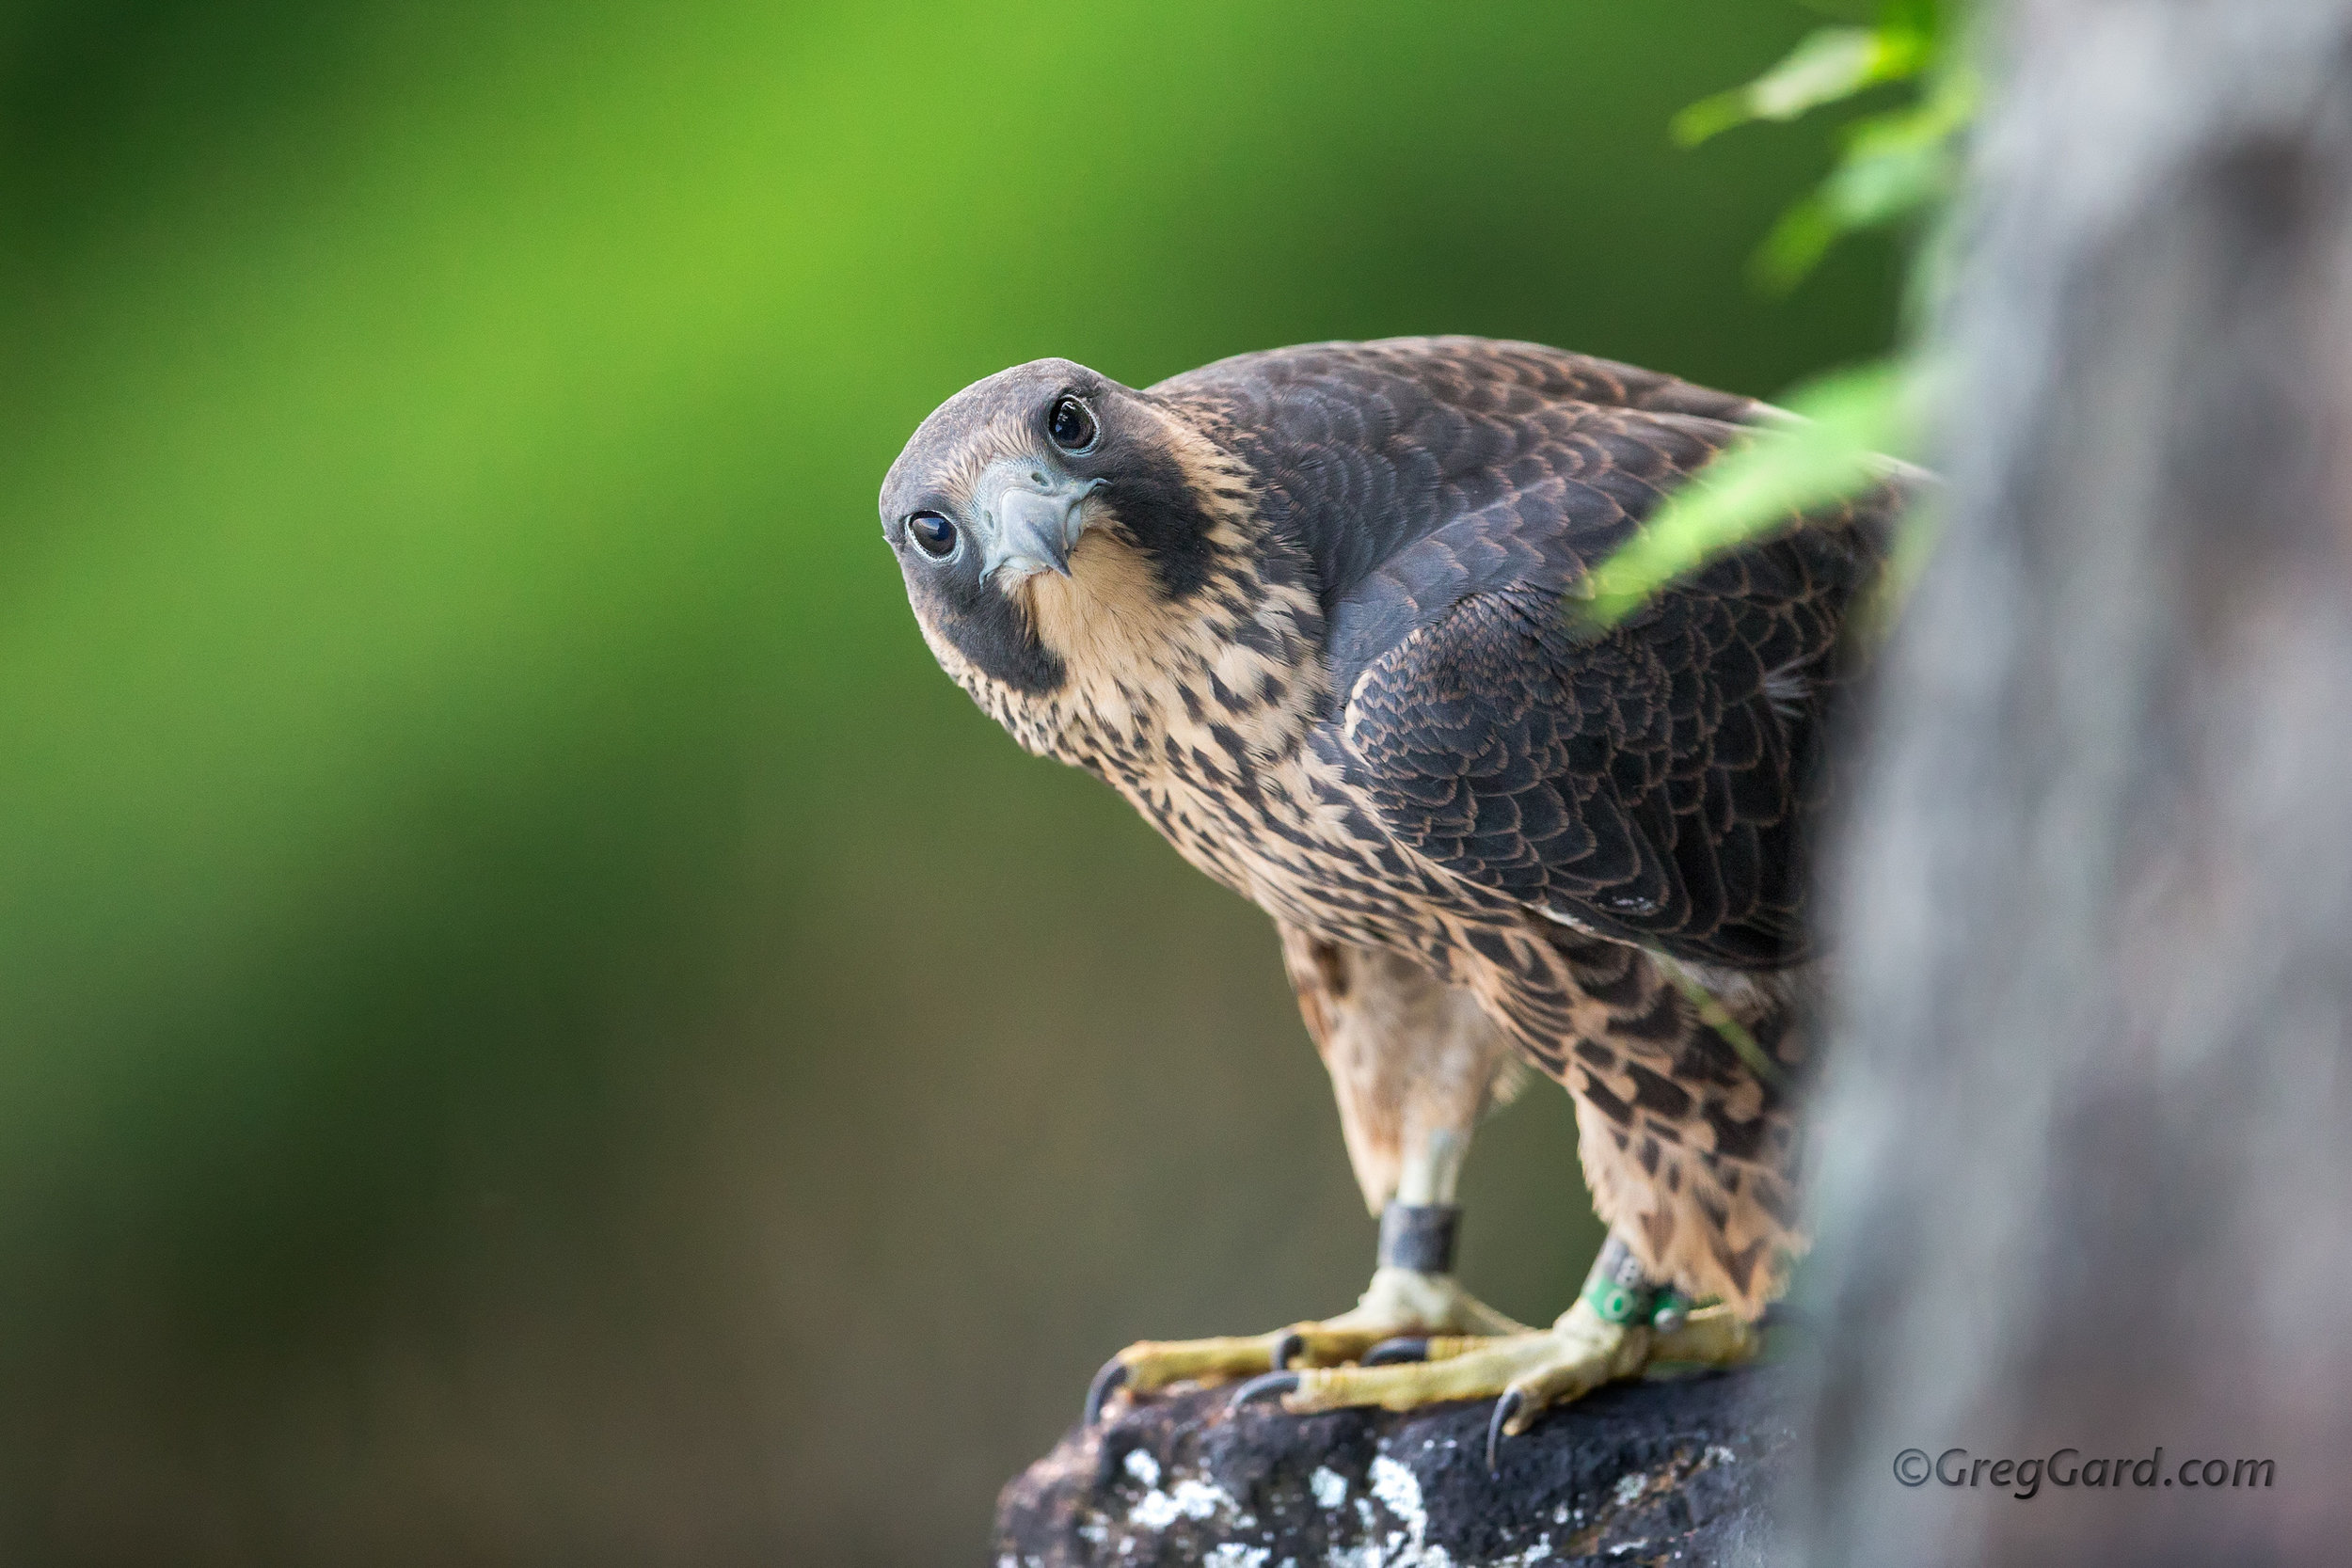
x=1650, y=785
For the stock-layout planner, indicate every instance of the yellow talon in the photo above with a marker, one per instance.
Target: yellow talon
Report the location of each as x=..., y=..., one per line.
x=1153, y=1364
x=1532, y=1370
x=1712, y=1337
x=1402, y=1303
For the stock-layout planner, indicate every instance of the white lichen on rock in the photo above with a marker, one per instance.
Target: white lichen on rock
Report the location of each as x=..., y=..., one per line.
x=1328, y=1485
x=1188, y=1499
x=1399, y=1491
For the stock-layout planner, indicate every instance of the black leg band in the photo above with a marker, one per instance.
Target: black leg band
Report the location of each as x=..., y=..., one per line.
x=1418, y=1236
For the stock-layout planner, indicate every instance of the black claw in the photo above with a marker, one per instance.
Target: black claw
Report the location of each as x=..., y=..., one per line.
x=1780, y=1315
x=1390, y=1351
x=1287, y=1346
x=1112, y=1377
x=1258, y=1388
x=1506, y=1407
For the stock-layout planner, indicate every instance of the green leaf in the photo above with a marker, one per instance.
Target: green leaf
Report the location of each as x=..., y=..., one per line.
x=1846, y=422
x=1829, y=65
x=1895, y=164
x=1799, y=239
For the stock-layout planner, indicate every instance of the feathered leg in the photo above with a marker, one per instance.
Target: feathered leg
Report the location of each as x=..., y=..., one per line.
x=1414, y=1064
x=1681, y=1083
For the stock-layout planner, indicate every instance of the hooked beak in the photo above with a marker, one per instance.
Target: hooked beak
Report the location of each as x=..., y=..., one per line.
x=1030, y=518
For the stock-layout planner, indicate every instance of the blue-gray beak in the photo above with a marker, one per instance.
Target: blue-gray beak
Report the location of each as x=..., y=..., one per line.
x=1028, y=518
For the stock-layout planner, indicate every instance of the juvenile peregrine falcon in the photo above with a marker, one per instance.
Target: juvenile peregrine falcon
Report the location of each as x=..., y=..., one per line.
x=1310, y=612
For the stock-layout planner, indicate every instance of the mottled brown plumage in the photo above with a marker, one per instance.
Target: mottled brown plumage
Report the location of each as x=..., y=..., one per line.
x=1311, y=614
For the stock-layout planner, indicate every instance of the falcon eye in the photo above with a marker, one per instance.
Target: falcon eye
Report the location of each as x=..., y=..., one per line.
x=934, y=534
x=1071, y=426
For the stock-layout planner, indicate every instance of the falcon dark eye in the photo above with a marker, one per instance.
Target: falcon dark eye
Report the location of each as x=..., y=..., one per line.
x=1071, y=426
x=934, y=534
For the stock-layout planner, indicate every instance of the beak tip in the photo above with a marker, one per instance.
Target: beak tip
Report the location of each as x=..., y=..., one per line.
x=1031, y=530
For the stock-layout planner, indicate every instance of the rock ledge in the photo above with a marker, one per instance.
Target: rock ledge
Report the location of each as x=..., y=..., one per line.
x=1660, y=1472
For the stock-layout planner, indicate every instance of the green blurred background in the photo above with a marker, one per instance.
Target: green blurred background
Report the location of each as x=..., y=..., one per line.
x=535, y=1026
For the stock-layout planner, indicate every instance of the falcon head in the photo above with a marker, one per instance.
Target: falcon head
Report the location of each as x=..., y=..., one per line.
x=1036, y=507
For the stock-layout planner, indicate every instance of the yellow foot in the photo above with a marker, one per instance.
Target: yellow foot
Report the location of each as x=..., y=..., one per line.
x=1524, y=1373
x=1403, y=1305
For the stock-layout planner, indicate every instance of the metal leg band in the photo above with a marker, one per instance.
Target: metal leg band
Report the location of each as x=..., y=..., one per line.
x=1418, y=1236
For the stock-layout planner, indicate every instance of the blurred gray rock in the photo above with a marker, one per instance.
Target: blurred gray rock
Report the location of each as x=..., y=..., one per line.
x=1663, y=1472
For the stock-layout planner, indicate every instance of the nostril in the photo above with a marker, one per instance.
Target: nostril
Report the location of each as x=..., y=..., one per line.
x=1036, y=479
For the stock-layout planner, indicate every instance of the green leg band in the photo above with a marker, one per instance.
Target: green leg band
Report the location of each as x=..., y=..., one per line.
x=1616, y=1289
x=1620, y=1292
